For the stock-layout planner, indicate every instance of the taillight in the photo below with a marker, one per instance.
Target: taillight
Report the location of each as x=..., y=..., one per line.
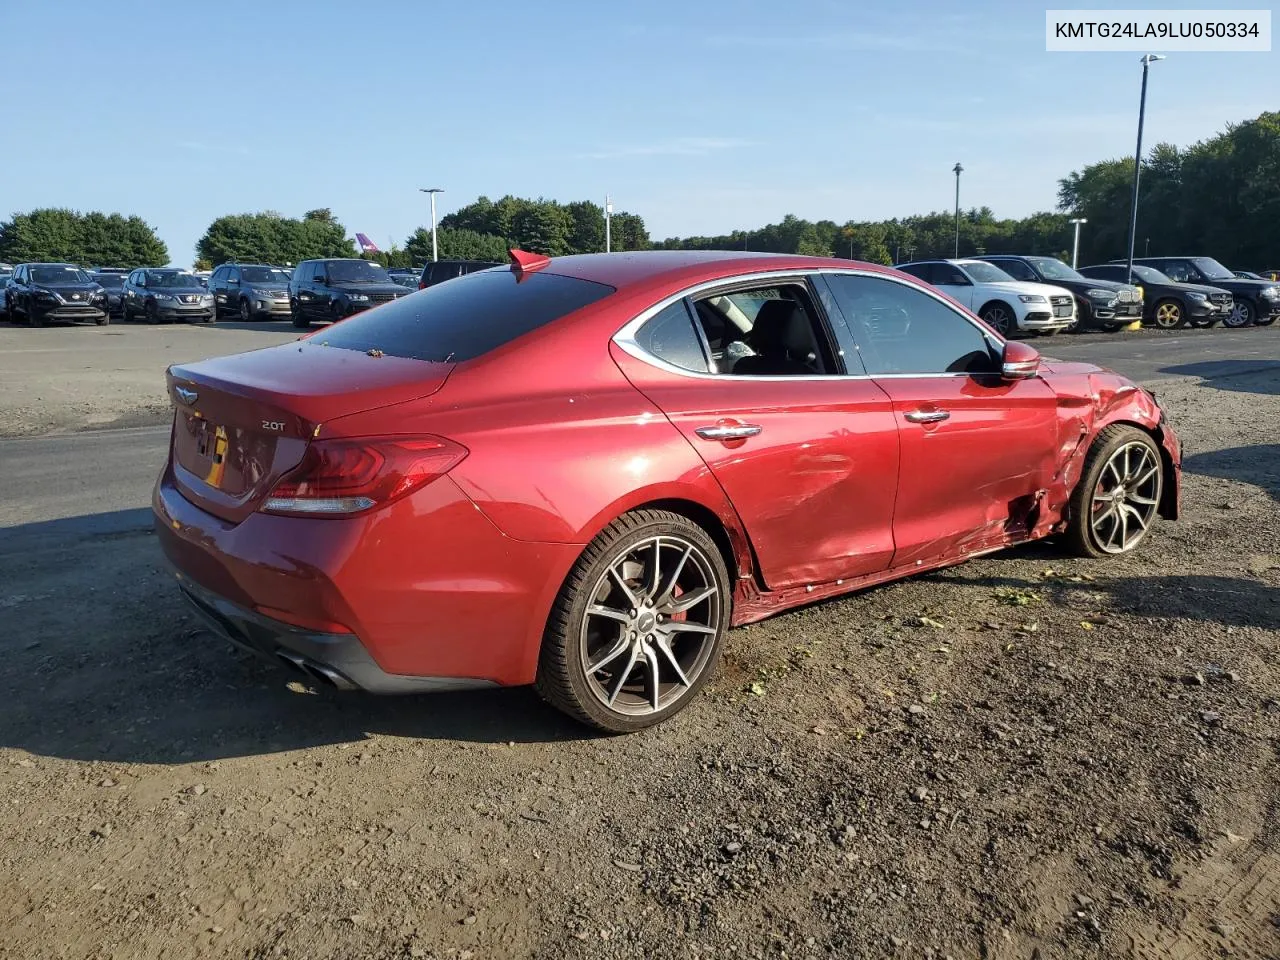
x=342, y=477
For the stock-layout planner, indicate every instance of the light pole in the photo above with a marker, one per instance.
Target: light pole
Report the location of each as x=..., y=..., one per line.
x=432, y=191
x=608, y=226
x=1147, y=60
x=957, y=170
x=1075, y=247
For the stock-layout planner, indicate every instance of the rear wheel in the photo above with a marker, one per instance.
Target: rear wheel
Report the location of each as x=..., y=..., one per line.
x=1118, y=496
x=637, y=628
x=1169, y=315
x=1000, y=316
x=1242, y=314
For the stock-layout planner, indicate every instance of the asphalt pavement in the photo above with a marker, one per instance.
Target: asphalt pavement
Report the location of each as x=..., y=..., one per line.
x=96, y=482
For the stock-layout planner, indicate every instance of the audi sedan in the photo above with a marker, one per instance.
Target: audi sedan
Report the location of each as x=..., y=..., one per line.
x=580, y=473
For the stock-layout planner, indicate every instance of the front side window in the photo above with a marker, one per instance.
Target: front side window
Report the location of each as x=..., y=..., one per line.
x=1179, y=270
x=902, y=330
x=670, y=335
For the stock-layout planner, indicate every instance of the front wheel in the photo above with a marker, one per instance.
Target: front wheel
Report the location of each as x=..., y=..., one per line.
x=103, y=320
x=245, y=313
x=1169, y=315
x=1242, y=314
x=150, y=313
x=1265, y=321
x=1001, y=317
x=295, y=315
x=1116, y=501
x=637, y=628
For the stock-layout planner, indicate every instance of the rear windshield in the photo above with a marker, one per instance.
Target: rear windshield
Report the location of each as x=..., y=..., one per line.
x=464, y=318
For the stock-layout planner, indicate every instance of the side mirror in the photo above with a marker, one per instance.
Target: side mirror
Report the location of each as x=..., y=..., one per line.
x=1019, y=362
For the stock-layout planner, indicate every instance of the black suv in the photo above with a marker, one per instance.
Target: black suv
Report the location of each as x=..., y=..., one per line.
x=1169, y=304
x=333, y=289
x=254, y=291
x=1100, y=304
x=442, y=270
x=43, y=292
x=1253, y=301
x=112, y=281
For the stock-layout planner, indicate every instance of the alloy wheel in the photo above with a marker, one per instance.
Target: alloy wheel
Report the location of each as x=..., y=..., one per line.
x=1125, y=498
x=244, y=311
x=1000, y=318
x=1168, y=315
x=651, y=625
x=1241, y=315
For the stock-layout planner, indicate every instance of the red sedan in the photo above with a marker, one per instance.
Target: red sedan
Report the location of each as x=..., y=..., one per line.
x=581, y=472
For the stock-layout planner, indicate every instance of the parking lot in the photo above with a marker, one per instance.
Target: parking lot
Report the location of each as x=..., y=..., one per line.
x=1027, y=752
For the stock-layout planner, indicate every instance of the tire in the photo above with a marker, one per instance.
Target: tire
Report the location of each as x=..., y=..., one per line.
x=1242, y=315
x=1000, y=315
x=33, y=319
x=296, y=318
x=1095, y=530
x=9, y=315
x=103, y=320
x=614, y=572
x=149, y=312
x=246, y=315
x=1169, y=314
x=1264, y=321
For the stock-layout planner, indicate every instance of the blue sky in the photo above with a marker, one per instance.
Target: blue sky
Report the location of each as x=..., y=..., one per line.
x=702, y=116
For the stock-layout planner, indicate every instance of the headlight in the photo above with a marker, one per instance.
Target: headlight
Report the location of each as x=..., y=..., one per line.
x=1271, y=293
x=1031, y=298
x=162, y=296
x=1099, y=294
x=1197, y=296
x=47, y=295
x=356, y=296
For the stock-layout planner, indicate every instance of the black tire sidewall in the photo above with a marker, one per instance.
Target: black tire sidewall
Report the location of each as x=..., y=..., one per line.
x=564, y=627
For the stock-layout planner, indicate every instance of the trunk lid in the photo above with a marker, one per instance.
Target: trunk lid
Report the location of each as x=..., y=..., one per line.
x=242, y=422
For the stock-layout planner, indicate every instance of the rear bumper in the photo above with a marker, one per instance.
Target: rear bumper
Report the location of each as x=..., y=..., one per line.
x=425, y=594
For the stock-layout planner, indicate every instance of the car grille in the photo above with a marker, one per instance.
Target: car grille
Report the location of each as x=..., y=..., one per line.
x=1061, y=306
x=384, y=297
x=190, y=298
x=1221, y=299
x=1127, y=295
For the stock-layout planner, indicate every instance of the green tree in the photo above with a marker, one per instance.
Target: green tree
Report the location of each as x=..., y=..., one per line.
x=271, y=238
x=457, y=244
x=92, y=239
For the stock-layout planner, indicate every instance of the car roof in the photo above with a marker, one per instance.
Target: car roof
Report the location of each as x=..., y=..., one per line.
x=641, y=268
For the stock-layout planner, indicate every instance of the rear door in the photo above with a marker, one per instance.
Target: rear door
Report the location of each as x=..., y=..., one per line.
x=808, y=457
x=977, y=452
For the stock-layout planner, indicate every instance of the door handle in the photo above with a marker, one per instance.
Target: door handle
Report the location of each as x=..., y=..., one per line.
x=927, y=416
x=729, y=431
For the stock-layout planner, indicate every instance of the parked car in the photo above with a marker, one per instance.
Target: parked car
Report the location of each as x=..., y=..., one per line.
x=40, y=293
x=111, y=281
x=1253, y=301
x=166, y=295
x=556, y=474
x=1007, y=304
x=1100, y=304
x=338, y=288
x=1167, y=303
x=1269, y=275
x=406, y=278
x=441, y=270
x=202, y=277
x=253, y=291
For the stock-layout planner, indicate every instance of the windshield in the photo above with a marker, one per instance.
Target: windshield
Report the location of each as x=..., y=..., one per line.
x=263, y=275
x=981, y=272
x=1052, y=269
x=59, y=275
x=170, y=278
x=112, y=280
x=1149, y=274
x=1212, y=269
x=345, y=271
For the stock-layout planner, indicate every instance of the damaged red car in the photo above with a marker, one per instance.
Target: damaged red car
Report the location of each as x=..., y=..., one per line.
x=581, y=472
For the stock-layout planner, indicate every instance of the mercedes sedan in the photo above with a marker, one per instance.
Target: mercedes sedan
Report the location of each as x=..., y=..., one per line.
x=580, y=473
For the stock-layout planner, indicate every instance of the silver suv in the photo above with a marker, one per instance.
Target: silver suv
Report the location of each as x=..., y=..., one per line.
x=254, y=291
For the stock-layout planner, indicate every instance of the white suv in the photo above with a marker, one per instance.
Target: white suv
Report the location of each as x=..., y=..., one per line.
x=1009, y=305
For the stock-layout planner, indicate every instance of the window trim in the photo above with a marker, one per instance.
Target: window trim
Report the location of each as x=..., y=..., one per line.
x=625, y=336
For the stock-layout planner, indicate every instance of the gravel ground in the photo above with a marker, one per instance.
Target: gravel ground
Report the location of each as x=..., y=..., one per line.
x=1026, y=756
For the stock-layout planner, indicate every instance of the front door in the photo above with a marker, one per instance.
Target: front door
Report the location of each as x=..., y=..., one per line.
x=977, y=451
x=807, y=456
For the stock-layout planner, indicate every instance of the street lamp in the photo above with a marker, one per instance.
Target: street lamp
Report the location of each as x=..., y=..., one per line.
x=1147, y=60
x=1075, y=247
x=957, y=170
x=432, y=191
x=608, y=217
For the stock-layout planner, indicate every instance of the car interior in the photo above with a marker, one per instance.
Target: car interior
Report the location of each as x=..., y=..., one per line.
x=764, y=331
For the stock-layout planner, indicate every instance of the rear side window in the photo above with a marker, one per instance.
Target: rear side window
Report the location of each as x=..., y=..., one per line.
x=465, y=318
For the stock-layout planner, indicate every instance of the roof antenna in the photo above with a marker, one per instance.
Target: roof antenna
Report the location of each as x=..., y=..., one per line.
x=523, y=262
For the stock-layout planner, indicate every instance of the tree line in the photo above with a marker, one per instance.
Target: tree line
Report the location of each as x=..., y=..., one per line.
x=1219, y=197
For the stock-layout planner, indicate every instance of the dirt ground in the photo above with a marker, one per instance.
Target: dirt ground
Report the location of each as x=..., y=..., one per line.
x=1026, y=756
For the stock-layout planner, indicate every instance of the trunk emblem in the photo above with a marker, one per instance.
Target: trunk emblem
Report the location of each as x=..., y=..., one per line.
x=186, y=396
